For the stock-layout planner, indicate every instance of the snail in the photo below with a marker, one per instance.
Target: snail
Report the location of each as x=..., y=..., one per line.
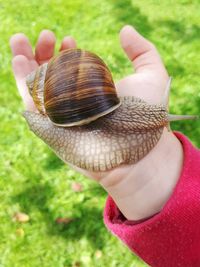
x=84, y=121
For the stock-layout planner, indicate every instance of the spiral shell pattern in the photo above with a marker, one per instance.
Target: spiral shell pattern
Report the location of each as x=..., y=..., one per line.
x=78, y=88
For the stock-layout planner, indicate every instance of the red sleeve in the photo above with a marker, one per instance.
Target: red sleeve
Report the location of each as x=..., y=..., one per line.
x=170, y=238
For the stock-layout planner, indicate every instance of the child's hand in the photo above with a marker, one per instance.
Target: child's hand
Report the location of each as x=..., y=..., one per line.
x=142, y=189
x=25, y=60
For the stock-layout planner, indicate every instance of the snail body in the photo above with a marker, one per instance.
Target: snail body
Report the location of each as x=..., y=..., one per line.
x=107, y=142
x=84, y=121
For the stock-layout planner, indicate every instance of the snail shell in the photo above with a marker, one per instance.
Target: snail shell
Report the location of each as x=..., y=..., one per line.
x=74, y=88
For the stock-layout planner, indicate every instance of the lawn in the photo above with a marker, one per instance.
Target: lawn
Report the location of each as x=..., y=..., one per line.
x=32, y=179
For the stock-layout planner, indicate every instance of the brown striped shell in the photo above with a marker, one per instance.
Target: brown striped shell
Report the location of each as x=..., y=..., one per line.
x=74, y=88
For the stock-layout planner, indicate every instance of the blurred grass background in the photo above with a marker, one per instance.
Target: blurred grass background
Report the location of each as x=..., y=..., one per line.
x=32, y=179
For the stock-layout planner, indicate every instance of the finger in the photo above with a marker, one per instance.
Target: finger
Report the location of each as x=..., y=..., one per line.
x=20, y=45
x=21, y=68
x=67, y=43
x=45, y=46
x=140, y=51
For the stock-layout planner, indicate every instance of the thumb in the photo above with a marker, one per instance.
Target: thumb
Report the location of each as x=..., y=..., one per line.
x=141, y=52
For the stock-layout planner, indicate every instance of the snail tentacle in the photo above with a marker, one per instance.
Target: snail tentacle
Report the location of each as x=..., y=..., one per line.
x=167, y=93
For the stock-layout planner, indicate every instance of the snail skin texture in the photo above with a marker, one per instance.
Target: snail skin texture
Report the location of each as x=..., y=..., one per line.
x=84, y=121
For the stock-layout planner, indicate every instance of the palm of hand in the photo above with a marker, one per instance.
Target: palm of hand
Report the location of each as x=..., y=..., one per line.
x=148, y=82
x=147, y=86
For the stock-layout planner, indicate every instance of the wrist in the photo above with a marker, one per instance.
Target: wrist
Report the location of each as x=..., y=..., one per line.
x=141, y=190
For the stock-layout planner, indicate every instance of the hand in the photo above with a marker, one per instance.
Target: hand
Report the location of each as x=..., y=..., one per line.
x=135, y=188
x=25, y=61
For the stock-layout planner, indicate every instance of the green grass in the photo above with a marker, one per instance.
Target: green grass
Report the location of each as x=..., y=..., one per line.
x=32, y=179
